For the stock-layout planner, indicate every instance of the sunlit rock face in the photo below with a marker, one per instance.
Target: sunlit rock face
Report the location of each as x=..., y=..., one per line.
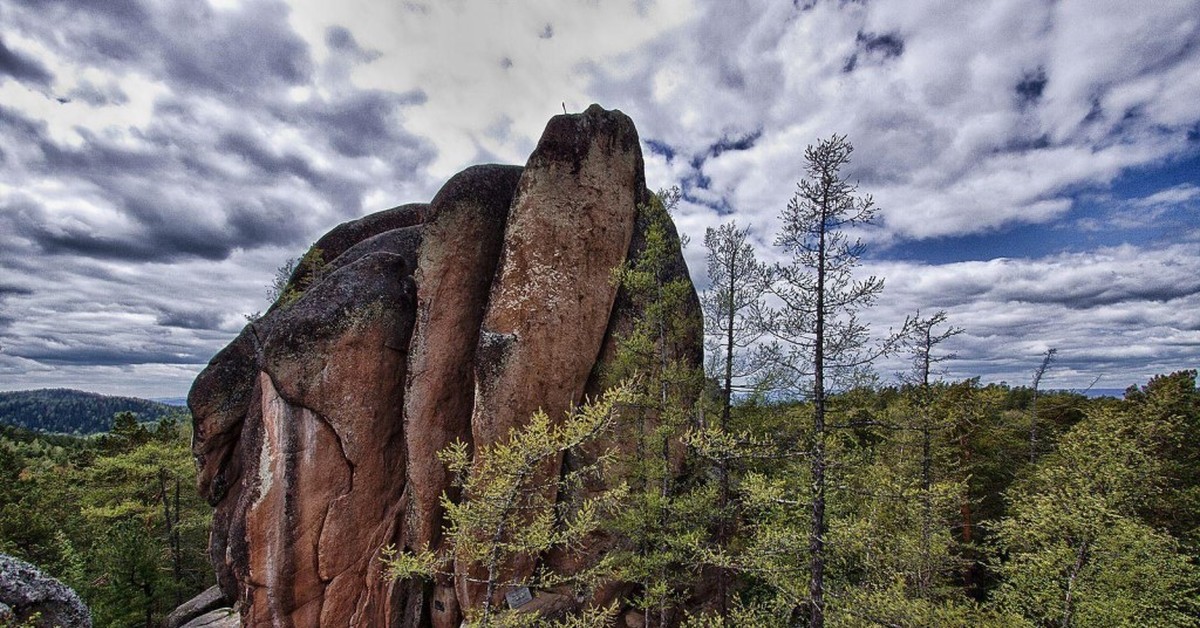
x=317, y=429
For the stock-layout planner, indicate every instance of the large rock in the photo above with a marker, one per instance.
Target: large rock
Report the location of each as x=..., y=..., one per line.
x=26, y=591
x=571, y=224
x=462, y=245
x=317, y=429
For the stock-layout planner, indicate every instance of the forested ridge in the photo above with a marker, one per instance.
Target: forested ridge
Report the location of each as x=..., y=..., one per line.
x=66, y=411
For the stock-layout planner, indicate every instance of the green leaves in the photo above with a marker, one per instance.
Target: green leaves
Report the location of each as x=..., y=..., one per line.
x=1075, y=550
x=90, y=513
x=510, y=510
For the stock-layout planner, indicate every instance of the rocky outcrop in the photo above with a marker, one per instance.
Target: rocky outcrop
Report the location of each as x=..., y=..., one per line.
x=25, y=591
x=317, y=429
x=206, y=602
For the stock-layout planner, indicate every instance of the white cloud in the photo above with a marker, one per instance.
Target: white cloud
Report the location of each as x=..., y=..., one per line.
x=235, y=139
x=486, y=67
x=1124, y=313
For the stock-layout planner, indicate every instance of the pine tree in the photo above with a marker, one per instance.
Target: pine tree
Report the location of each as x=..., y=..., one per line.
x=662, y=517
x=505, y=513
x=733, y=325
x=823, y=344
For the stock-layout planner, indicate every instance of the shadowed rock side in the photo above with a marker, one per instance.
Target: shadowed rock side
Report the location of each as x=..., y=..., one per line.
x=317, y=429
x=461, y=247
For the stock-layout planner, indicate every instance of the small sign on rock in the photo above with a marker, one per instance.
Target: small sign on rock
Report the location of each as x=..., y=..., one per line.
x=518, y=597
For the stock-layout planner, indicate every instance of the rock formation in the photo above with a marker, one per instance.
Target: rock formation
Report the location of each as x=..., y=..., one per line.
x=317, y=429
x=25, y=591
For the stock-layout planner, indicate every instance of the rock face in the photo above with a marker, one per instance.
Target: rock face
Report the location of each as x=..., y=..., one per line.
x=25, y=591
x=317, y=429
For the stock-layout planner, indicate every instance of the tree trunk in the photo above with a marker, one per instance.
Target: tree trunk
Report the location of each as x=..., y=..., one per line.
x=816, y=541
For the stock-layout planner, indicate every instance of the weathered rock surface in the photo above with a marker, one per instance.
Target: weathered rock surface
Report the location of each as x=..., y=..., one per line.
x=207, y=601
x=217, y=618
x=25, y=591
x=317, y=429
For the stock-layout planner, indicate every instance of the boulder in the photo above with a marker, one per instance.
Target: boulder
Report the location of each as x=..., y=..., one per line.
x=571, y=224
x=26, y=591
x=209, y=600
x=318, y=428
x=216, y=618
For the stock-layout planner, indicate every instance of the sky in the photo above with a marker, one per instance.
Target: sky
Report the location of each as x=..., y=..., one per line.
x=1036, y=162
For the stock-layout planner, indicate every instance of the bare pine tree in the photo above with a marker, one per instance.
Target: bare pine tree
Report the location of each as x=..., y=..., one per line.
x=823, y=345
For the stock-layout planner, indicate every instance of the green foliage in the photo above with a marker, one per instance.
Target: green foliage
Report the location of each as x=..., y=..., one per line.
x=1074, y=550
x=666, y=519
x=511, y=510
x=296, y=276
x=91, y=513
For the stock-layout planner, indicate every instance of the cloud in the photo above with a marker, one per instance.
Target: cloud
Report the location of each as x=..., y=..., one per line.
x=159, y=160
x=965, y=121
x=1125, y=313
x=23, y=68
x=226, y=155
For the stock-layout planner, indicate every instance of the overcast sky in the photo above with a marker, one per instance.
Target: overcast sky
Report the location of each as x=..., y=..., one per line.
x=1037, y=162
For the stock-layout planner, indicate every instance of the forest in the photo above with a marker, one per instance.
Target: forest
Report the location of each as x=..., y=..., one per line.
x=937, y=514
x=114, y=516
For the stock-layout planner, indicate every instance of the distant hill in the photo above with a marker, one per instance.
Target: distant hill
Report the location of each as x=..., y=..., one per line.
x=171, y=401
x=65, y=411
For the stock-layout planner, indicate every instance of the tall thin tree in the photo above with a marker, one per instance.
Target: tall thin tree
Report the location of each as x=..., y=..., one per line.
x=733, y=314
x=823, y=343
x=922, y=343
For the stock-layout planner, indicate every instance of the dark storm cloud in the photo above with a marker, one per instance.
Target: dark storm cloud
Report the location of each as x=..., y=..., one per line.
x=365, y=123
x=190, y=319
x=239, y=52
x=7, y=290
x=192, y=45
x=237, y=143
x=204, y=178
x=22, y=67
x=106, y=356
x=191, y=148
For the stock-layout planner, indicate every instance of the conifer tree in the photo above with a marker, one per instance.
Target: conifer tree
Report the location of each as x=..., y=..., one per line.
x=824, y=345
x=661, y=520
x=733, y=325
x=505, y=513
